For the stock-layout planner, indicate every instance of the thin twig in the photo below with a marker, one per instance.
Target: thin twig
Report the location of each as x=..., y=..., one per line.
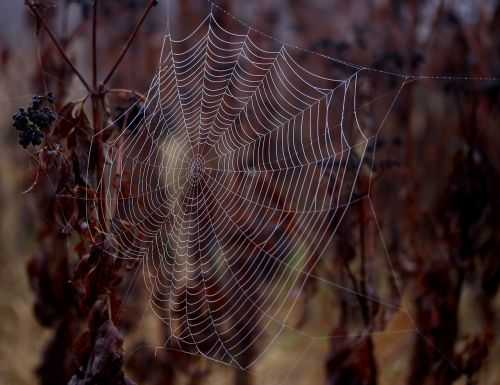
x=61, y=50
x=125, y=91
x=151, y=4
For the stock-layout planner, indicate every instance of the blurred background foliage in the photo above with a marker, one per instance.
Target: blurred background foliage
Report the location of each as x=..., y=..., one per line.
x=439, y=206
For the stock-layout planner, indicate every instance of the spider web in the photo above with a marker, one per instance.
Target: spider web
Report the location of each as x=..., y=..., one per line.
x=249, y=157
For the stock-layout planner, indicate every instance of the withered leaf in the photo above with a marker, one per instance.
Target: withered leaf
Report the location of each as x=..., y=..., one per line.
x=105, y=362
x=83, y=152
x=96, y=274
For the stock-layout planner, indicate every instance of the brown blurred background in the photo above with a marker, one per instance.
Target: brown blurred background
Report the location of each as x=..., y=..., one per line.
x=447, y=160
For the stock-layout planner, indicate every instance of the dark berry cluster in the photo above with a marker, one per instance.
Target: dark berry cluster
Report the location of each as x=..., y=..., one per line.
x=29, y=122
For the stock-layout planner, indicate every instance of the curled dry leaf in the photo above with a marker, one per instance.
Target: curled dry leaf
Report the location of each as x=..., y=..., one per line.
x=95, y=275
x=104, y=365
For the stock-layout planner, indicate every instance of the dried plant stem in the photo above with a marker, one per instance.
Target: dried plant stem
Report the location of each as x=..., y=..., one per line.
x=97, y=93
x=101, y=189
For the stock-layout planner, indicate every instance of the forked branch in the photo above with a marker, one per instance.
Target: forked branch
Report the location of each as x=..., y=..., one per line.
x=34, y=8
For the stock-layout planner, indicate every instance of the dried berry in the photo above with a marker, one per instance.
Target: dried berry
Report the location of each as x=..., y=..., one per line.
x=30, y=121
